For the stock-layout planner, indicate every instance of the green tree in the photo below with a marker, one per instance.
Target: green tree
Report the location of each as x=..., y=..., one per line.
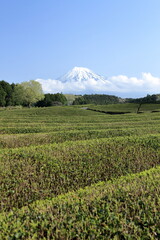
x=18, y=95
x=52, y=100
x=7, y=91
x=31, y=92
x=2, y=97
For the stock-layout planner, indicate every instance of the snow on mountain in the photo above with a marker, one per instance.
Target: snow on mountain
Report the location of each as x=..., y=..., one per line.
x=80, y=74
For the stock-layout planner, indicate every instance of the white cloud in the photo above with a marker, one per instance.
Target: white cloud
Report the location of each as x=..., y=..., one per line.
x=51, y=86
x=115, y=84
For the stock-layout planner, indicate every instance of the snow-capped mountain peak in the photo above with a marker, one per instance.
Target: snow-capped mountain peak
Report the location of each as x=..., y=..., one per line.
x=80, y=74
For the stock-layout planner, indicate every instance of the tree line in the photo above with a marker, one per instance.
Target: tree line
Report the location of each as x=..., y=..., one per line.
x=154, y=98
x=99, y=99
x=28, y=94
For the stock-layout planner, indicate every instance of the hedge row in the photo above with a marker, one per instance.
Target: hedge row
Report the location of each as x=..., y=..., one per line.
x=29, y=174
x=126, y=208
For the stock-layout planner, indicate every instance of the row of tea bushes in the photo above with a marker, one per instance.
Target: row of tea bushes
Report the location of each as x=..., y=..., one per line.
x=124, y=208
x=28, y=139
x=32, y=173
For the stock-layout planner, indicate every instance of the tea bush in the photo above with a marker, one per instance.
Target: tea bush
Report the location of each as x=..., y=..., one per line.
x=126, y=208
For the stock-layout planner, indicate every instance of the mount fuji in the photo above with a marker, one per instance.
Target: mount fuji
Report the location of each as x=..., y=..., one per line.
x=79, y=75
x=79, y=80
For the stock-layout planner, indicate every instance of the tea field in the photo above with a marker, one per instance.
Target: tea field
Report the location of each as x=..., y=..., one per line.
x=71, y=173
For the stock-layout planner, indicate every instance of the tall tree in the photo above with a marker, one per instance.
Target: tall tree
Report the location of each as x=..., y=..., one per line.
x=7, y=95
x=18, y=95
x=2, y=97
x=31, y=92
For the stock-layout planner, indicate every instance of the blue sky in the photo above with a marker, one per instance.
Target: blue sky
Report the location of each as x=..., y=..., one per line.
x=45, y=39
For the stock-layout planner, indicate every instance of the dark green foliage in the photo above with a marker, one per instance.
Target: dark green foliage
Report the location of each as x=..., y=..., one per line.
x=2, y=97
x=17, y=95
x=155, y=98
x=25, y=94
x=6, y=91
x=10, y=94
x=52, y=100
x=96, y=99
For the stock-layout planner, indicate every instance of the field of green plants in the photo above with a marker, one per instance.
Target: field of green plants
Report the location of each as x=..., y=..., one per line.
x=70, y=173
